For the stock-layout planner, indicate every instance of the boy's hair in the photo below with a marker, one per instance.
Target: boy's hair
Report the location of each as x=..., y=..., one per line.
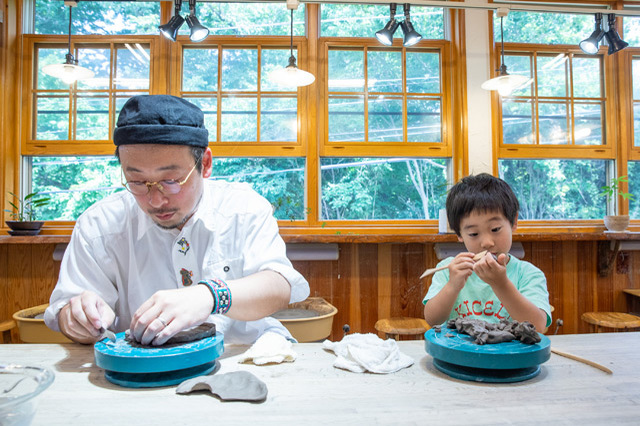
x=480, y=193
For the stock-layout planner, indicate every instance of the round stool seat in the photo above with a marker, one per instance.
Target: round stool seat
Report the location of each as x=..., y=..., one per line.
x=402, y=326
x=611, y=319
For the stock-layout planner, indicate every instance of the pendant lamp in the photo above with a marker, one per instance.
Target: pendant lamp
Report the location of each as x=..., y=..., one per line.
x=70, y=71
x=291, y=75
x=505, y=83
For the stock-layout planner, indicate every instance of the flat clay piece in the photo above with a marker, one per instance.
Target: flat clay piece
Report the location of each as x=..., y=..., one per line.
x=206, y=329
x=234, y=386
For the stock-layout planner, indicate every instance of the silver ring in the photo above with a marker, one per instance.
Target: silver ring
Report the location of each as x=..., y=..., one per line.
x=162, y=321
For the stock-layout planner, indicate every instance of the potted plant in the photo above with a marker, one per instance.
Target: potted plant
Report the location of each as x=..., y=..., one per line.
x=24, y=214
x=616, y=223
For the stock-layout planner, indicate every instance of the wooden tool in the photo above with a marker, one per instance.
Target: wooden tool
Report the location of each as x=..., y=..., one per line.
x=428, y=272
x=580, y=359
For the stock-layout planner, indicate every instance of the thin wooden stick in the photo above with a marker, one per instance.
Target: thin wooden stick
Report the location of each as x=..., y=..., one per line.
x=428, y=272
x=580, y=359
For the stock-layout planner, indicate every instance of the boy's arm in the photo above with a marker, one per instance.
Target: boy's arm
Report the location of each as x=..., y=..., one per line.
x=519, y=307
x=438, y=308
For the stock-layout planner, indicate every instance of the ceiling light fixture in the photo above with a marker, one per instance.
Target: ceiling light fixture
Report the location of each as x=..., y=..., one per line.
x=613, y=39
x=505, y=83
x=70, y=71
x=291, y=75
x=411, y=36
x=385, y=35
x=170, y=29
x=198, y=31
x=590, y=44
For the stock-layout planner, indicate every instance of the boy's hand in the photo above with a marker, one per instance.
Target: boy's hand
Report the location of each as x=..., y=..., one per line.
x=460, y=269
x=492, y=271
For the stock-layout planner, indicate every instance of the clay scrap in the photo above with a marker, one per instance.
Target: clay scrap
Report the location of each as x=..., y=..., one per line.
x=233, y=386
x=490, y=333
x=206, y=329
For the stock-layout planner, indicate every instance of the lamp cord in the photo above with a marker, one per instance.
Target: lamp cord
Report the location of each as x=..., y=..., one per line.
x=291, y=32
x=70, y=9
x=502, y=39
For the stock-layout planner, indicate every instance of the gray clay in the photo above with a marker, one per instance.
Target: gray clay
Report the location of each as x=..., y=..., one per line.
x=505, y=331
x=206, y=329
x=234, y=386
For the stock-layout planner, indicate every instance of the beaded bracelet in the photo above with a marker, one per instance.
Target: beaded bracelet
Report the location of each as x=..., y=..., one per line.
x=221, y=295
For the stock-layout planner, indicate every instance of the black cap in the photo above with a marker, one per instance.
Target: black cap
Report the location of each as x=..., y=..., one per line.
x=160, y=119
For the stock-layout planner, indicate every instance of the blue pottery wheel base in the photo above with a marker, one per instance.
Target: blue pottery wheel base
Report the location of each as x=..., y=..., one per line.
x=165, y=378
x=486, y=375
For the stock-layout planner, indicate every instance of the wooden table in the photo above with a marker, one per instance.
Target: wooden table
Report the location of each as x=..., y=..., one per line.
x=312, y=391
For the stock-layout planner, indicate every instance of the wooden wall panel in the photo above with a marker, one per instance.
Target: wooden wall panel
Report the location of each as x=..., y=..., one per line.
x=372, y=281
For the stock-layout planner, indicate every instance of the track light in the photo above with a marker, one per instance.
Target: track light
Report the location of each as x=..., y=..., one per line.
x=613, y=39
x=590, y=45
x=70, y=71
x=411, y=36
x=170, y=29
x=198, y=32
x=505, y=83
x=385, y=35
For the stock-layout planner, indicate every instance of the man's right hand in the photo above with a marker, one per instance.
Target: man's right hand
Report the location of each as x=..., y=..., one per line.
x=81, y=319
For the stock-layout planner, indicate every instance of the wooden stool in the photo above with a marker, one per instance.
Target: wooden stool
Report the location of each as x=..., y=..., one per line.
x=5, y=330
x=616, y=320
x=402, y=326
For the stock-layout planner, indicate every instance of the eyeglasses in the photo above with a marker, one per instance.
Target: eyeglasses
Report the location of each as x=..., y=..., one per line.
x=165, y=186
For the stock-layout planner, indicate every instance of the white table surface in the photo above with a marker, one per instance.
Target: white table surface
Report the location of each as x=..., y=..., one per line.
x=311, y=391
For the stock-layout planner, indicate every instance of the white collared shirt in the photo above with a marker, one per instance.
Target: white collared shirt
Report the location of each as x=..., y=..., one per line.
x=118, y=252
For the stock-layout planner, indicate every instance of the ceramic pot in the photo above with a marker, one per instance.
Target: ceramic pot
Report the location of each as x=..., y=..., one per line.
x=617, y=223
x=24, y=228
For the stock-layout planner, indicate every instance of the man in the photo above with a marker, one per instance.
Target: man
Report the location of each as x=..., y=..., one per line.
x=176, y=248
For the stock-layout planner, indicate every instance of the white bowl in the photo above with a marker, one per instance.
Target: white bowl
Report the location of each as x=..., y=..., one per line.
x=19, y=387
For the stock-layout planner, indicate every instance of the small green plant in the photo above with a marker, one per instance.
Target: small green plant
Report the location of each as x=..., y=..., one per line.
x=25, y=209
x=613, y=189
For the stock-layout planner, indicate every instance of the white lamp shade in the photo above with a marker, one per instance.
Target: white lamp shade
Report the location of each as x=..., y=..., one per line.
x=68, y=73
x=291, y=76
x=506, y=84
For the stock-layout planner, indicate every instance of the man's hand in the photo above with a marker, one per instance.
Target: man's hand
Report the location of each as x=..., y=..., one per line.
x=81, y=319
x=168, y=312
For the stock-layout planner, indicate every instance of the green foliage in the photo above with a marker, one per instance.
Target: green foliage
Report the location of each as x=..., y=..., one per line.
x=25, y=209
x=613, y=189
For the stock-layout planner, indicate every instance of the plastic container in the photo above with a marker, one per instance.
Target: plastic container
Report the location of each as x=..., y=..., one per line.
x=308, y=321
x=33, y=329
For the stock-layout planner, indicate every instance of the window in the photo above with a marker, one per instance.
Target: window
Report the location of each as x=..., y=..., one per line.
x=556, y=144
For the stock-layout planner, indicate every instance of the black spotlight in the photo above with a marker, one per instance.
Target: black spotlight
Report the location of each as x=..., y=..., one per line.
x=590, y=45
x=613, y=39
x=411, y=36
x=170, y=29
x=385, y=35
x=198, y=31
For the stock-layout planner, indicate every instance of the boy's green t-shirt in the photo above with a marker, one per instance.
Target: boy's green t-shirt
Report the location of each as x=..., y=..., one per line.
x=477, y=299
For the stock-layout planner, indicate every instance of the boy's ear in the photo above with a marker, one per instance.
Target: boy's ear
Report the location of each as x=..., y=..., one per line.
x=515, y=224
x=460, y=239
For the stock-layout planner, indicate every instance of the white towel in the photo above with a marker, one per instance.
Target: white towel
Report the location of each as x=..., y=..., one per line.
x=367, y=352
x=270, y=348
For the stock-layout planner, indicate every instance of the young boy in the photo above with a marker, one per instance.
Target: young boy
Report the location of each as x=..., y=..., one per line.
x=483, y=212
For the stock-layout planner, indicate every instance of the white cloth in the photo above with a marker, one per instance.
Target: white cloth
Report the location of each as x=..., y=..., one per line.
x=118, y=252
x=367, y=352
x=270, y=348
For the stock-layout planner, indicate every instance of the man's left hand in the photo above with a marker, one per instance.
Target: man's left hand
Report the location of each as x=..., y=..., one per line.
x=168, y=312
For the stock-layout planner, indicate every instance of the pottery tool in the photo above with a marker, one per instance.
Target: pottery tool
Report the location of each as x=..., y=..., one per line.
x=135, y=366
x=582, y=360
x=108, y=334
x=456, y=355
x=477, y=257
